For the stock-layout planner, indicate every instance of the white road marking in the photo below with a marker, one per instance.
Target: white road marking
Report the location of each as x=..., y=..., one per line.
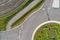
x=55, y=4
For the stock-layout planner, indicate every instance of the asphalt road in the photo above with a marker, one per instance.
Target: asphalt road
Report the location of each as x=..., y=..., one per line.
x=54, y=14
x=38, y=18
x=31, y=24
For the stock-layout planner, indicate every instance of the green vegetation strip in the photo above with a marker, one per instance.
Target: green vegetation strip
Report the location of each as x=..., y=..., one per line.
x=49, y=31
x=4, y=20
x=21, y=20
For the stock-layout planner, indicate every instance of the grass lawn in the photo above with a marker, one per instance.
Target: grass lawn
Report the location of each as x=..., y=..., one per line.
x=4, y=20
x=12, y=13
x=21, y=20
x=50, y=31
